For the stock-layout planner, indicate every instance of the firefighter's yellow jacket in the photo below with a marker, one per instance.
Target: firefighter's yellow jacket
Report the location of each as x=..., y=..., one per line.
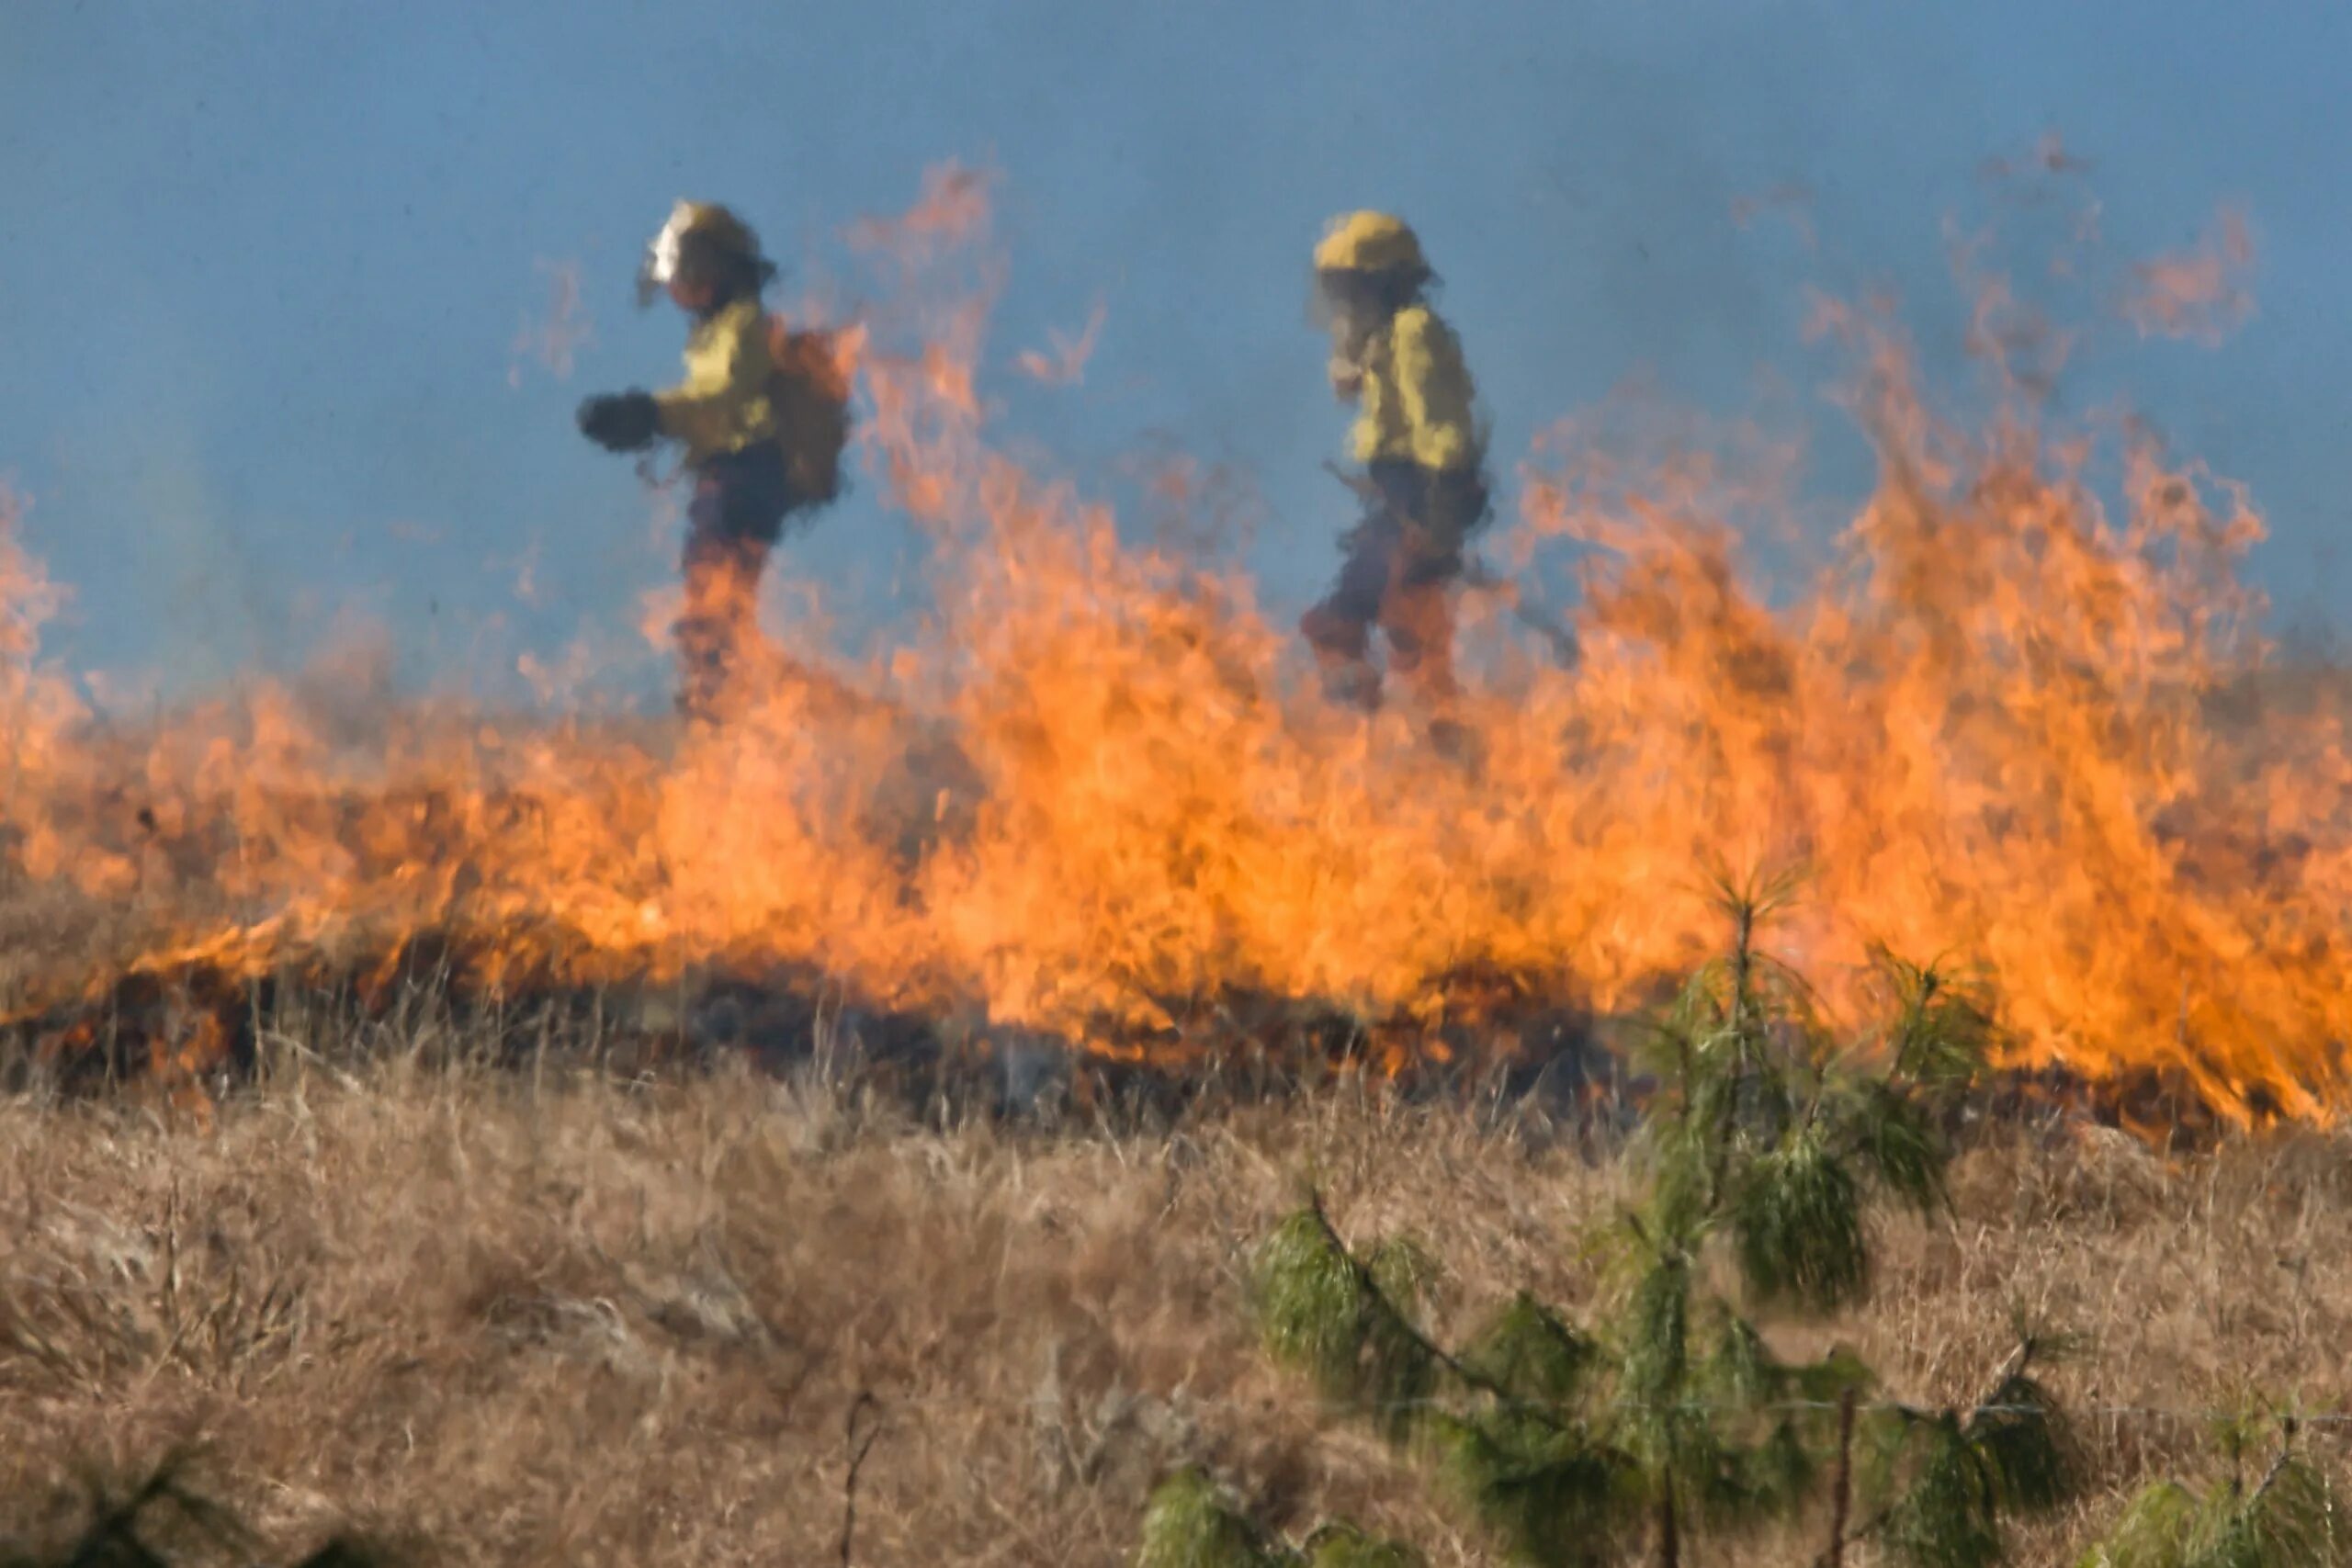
x=1415, y=396
x=727, y=401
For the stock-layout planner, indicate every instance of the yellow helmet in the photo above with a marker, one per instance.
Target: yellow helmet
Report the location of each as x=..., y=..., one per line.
x=1368, y=241
x=708, y=225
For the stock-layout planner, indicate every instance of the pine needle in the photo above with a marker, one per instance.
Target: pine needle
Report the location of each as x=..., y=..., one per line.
x=1797, y=1227
x=1189, y=1524
x=1534, y=1355
x=1325, y=1312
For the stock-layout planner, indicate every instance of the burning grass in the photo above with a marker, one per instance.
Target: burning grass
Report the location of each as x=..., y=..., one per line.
x=538, y=1317
x=1087, y=793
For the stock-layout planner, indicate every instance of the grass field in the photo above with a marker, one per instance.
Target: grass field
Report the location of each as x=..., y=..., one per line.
x=554, y=1318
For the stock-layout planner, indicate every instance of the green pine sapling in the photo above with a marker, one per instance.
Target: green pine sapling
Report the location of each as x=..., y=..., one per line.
x=1672, y=1418
x=2286, y=1516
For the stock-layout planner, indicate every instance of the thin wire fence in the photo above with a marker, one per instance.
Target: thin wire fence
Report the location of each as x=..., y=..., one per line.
x=2186, y=1413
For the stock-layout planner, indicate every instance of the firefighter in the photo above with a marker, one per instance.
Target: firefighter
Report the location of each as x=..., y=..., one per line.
x=727, y=417
x=1423, y=457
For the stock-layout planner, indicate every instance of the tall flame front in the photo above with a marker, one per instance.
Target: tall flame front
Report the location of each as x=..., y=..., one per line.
x=2020, y=720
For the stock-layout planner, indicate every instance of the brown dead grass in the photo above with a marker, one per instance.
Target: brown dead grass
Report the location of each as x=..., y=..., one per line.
x=582, y=1321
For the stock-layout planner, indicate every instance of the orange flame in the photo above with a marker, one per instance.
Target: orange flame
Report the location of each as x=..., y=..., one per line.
x=1092, y=793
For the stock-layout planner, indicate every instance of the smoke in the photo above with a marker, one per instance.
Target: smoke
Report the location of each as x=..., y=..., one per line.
x=555, y=338
x=2200, y=293
x=1065, y=364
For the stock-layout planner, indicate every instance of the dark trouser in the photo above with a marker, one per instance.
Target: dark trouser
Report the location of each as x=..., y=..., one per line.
x=1401, y=561
x=737, y=510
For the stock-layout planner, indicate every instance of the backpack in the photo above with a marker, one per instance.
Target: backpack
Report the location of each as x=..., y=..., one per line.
x=810, y=393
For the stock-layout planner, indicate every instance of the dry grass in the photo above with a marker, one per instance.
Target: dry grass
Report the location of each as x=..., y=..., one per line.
x=577, y=1320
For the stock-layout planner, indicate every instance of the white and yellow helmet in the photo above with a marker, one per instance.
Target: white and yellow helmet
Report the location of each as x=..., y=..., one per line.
x=703, y=223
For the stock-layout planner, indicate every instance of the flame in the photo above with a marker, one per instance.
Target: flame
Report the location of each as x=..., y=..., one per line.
x=1094, y=791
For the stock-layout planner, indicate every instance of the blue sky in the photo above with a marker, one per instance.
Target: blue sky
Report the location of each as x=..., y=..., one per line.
x=266, y=263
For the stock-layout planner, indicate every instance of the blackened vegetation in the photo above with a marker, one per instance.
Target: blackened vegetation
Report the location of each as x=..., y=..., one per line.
x=200, y=1022
x=2163, y=1105
x=1498, y=1039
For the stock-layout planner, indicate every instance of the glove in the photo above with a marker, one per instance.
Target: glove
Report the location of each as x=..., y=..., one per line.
x=621, y=423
